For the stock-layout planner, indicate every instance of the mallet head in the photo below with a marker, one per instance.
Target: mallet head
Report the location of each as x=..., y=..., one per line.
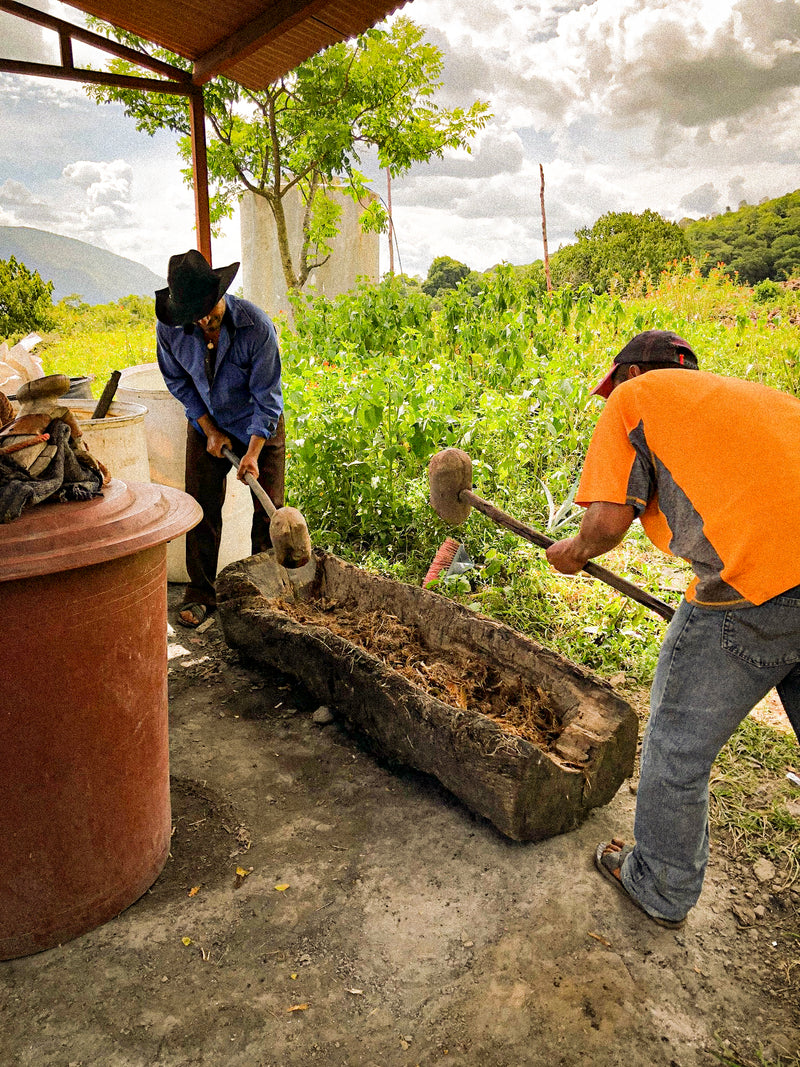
x=50, y=387
x=290, y=539
x=449, y=472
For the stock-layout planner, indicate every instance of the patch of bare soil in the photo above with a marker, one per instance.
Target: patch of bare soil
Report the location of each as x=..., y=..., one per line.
x=321, y=907
x=457, y=680
x=769, y=712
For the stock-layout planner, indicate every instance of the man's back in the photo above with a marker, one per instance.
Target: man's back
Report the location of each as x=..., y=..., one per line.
x=712, y=466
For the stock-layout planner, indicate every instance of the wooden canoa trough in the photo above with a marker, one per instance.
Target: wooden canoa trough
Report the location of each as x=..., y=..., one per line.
x=529, y=790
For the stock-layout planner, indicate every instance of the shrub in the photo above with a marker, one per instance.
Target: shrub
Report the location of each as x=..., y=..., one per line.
x=767, y=292
x=25, y=300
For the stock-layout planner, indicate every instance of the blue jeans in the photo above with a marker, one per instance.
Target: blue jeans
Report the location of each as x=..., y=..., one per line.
x=713, y=668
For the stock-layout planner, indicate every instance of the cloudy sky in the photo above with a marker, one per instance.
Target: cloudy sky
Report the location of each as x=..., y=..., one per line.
x=685, y=107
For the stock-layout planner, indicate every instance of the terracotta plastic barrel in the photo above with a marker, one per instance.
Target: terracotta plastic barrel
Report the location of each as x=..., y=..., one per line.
x=84, y=767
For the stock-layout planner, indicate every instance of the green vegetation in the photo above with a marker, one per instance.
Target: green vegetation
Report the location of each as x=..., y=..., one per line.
x=98, y=339
x=752, y=245
x=444, y=273
x=378, y=380
x=618, y=248
x=25, y=300
x=758, y=825
x=307, y=131
x=754, y=242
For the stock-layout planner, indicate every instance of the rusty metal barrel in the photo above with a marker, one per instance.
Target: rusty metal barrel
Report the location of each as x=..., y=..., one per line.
x=85, y=815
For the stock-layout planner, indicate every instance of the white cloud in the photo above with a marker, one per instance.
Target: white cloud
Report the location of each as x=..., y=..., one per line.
x=628, y=104
x=23, y=41
x=19, y=207
x=681, y=106
x=704, y=200
x=12, y=192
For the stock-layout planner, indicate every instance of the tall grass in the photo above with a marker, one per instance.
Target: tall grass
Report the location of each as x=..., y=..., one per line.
x=96, y=340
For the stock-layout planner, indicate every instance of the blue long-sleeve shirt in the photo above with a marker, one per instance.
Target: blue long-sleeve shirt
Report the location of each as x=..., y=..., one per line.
x=245, y=396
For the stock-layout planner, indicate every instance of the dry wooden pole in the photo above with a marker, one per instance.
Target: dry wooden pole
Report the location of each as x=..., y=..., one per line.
x=544, y=233
x=641, y=596
x=389, y=208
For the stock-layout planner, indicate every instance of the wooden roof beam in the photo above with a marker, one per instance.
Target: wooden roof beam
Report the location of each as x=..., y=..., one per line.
x=268, y=26
x=68, y=31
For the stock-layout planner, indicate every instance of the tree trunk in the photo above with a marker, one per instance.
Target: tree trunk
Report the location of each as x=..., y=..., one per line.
x=293, y=282
x=529, y=789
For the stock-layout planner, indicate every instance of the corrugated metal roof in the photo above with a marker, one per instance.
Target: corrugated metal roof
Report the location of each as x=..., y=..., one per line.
x=253, y=42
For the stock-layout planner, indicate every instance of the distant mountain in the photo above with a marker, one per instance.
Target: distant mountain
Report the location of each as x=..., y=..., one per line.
x=99, y=277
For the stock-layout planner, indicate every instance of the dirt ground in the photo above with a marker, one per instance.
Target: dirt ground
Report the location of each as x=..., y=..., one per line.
x=319, y=907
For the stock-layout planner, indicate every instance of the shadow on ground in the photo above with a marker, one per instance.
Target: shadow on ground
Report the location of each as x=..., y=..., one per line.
x=321, y=907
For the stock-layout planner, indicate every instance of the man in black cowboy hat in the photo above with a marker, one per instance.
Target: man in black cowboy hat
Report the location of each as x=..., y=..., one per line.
x=219, y=357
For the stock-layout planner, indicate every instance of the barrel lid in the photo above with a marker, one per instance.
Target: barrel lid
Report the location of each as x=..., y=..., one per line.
x=127, y=518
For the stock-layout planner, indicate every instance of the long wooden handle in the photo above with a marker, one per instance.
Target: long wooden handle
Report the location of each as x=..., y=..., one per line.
x=641, y=596
x=260, y=495
x=104, y=403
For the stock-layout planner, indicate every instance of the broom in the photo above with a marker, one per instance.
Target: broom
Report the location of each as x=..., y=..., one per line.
x=450, y=558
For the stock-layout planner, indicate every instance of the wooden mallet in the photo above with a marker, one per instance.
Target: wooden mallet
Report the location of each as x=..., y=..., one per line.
x=451, y=496
x=287, y=527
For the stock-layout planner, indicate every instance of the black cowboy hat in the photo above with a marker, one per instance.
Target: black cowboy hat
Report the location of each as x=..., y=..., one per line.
x=193, y=288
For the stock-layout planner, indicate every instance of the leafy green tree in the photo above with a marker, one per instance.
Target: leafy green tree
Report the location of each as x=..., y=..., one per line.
x=308, y=130
x=444, y=273
x=755, y=242
x=26, y=301
x=619, y=243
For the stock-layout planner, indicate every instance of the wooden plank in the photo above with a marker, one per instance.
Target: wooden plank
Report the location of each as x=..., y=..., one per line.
x=94, y=77
x=202, y=210
x=272, y=23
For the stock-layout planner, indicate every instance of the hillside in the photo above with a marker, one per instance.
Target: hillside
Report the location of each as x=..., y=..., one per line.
x=757, y=241
x=98, y=276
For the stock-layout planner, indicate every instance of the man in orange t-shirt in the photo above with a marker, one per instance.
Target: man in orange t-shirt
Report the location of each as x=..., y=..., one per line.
x=711, y=467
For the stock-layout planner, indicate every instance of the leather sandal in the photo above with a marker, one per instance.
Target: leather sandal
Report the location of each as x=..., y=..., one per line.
x=198, y=613
x=608, y=858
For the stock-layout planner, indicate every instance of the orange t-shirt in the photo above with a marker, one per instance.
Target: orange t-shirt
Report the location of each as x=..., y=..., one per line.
x=712, y=467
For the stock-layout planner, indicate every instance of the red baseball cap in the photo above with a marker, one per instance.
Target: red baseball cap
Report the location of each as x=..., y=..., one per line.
x=652, y=346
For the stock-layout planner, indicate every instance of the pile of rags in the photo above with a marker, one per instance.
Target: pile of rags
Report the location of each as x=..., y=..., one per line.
x=65, y=471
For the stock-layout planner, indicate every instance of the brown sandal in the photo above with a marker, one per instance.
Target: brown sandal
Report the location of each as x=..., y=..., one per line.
x=608, y=858
x=198, y=613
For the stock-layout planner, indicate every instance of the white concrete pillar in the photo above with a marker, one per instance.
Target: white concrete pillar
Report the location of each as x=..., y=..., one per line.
x=355, y=254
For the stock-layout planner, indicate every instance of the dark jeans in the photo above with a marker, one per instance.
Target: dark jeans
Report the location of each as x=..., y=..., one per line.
x=205, y=481
x=714, y=668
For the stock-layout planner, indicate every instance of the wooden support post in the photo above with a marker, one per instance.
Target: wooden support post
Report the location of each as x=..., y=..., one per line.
x=65, y=42
x=200, y=173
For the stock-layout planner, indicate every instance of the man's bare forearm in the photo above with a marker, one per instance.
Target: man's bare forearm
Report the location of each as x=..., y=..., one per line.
x=603, y=527
x=248, y=464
